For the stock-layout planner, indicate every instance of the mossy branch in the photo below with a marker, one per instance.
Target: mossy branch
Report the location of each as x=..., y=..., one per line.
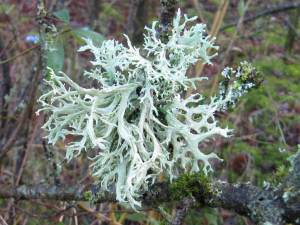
x=261, y=205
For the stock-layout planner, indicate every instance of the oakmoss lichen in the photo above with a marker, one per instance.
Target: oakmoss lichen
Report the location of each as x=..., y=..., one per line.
x=137, y=123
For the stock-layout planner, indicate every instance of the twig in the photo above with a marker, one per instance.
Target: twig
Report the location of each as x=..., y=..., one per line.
x=6, y=86
x=270, y=11
x=230, y=45
x=132, y=14
x=19, y=55
x=217, y=22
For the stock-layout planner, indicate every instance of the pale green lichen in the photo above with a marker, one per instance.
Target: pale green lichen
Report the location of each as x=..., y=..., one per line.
x=138, y=122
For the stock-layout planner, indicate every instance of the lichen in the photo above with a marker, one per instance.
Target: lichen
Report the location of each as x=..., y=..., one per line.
x=138, y=122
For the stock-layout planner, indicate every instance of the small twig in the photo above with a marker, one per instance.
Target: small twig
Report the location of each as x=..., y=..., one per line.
x=19, y=55
x=217, y=22
x=6, y=85
x=270, y=11
x=199, y=10
x=292, y=34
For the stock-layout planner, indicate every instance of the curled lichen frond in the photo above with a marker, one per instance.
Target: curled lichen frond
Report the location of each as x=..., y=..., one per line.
x=137, y=121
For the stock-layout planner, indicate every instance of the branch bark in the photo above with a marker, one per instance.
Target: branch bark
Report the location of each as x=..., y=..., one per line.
x=261, y=205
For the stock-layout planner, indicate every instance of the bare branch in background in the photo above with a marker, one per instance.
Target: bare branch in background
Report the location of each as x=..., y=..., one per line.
x=43, y=29
x=167, y=13
x=267, y=12
x=132, y=16
x=226, y=55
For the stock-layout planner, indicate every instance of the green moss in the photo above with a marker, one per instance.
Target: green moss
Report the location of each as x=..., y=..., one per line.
x=267, y=163
x=195, y=184
x=164, y=222
x=249, y=74
x=281, y=172
x=88, y=196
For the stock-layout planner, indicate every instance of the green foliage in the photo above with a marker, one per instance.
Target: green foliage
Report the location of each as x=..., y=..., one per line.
x=85, y=33
x=88, y=196
x=202, y=216
x=55, y=54
x=195, y=184
x=63, y=15
x=58, y=38
x=241, y=7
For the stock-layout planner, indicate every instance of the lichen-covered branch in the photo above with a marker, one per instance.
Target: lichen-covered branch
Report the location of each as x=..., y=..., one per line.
x=260, y=205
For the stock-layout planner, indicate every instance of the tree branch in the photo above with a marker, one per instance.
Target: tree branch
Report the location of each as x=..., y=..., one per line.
x=260, y=205
x=271, y=10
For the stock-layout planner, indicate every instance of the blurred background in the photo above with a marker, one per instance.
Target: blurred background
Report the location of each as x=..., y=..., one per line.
x=266, y=121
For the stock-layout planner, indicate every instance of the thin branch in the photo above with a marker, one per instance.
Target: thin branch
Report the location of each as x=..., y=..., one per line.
x=270, y=11
x=59, y=193
x=26, y=51
x=6, y=84
x=229, y=48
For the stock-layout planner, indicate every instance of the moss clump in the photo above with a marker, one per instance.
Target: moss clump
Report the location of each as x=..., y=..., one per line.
x=196, y=184
x=88, y=196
